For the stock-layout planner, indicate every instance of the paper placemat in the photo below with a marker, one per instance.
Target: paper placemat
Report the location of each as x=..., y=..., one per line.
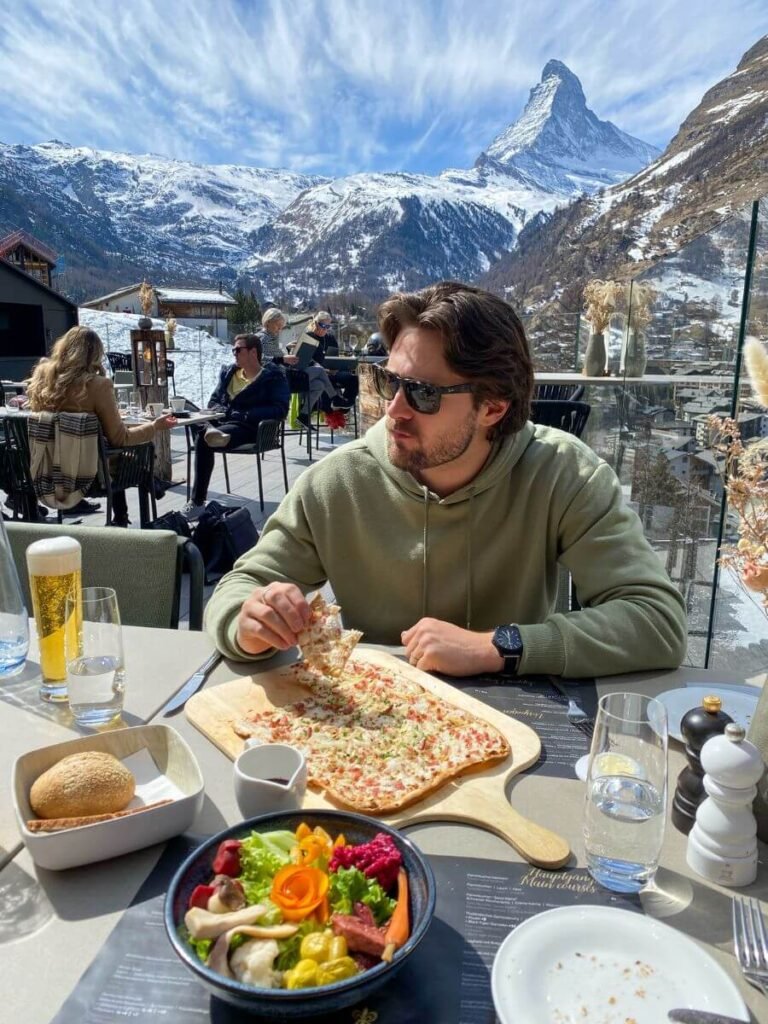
x=137, y=976
x=537, y=703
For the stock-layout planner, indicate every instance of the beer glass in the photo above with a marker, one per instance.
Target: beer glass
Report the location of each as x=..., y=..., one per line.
x=626, y=797
x=94, y=656
x=54, y=573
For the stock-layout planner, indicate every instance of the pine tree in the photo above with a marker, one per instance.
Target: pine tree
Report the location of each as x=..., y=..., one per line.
x=245, y=315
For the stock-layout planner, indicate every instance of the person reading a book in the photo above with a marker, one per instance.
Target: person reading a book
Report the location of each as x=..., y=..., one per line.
x=246, y=394
x=308, y=358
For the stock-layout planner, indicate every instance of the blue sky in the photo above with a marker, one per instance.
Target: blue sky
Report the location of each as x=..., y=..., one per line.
x=339, y=86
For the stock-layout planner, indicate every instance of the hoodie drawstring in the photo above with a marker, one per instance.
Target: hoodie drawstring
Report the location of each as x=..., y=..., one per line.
x=424, y=546
x=425, y=557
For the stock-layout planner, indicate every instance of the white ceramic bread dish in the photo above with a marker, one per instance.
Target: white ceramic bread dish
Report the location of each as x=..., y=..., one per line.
x=99, y=841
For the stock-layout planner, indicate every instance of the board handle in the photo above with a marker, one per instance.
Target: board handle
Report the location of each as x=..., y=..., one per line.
x=536, y=844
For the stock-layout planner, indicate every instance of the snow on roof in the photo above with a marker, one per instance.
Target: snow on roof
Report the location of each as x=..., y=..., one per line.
x=112, y=295
x=194, y=295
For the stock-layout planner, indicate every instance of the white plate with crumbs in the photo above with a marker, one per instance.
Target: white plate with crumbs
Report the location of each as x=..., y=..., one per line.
x=600, y=965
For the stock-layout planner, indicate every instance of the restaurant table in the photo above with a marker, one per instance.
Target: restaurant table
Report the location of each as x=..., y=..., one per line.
x=187, y=423
x=73, y=912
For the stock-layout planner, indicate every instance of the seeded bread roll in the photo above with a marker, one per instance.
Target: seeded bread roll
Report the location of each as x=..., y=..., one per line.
x=91, y=782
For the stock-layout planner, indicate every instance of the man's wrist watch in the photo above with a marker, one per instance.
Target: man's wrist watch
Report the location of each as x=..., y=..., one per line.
x=509, y=644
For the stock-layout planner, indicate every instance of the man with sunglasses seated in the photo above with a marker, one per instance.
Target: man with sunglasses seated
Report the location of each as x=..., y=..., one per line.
x=246, y=394
x=442, y=528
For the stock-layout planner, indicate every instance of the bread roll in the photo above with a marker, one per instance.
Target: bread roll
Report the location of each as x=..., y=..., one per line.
x=91, y=782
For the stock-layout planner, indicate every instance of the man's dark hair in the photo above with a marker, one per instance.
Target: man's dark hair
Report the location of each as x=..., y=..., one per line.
x=251, y=341
x=483, y=341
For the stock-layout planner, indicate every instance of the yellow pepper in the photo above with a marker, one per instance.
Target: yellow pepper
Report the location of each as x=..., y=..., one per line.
x=316, y=946
x=336, y=970
x=303, y=975
x=322, y=946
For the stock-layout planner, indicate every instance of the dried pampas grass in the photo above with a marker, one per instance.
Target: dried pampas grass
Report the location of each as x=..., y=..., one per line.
x=600, y=302
x=756, y=358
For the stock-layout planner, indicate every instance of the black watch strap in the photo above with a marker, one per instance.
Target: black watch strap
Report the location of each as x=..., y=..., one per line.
x=509, y=643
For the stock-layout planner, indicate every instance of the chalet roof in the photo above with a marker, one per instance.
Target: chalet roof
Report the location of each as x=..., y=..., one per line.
x=126, y=290
x=214, y=298
x=9, y=242
x=7, y=266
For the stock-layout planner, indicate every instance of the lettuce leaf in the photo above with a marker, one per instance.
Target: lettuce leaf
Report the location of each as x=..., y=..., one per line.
x=350, y=886
x=262, y=855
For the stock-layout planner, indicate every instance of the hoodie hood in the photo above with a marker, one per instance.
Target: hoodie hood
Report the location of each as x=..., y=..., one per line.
x=504, y=456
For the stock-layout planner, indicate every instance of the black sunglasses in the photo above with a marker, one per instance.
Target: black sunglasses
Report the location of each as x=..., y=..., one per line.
x=421, y=396
x=239, y=348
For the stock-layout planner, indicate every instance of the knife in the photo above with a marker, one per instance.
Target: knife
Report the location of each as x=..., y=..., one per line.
x=702, y=1017
x=191, y=686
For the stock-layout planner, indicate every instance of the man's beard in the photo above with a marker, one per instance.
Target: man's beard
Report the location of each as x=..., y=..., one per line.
x=441, y=451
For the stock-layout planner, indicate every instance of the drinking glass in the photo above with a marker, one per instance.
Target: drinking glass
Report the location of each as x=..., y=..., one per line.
x=14, y=627
x=54, y=567
x=135, y=404
x=95, y=666
x=626, y=797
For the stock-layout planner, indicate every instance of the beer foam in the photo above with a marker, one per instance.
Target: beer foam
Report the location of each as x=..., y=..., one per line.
x=54, y=556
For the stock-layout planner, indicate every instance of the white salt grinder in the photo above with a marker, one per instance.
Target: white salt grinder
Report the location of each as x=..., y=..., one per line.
x=722, y=845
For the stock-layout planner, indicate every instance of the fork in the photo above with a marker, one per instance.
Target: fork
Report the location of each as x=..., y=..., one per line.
x=750, y=941
x=575, y=713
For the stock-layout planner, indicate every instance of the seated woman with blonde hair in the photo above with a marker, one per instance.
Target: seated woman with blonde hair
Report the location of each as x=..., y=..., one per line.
x=72, y=379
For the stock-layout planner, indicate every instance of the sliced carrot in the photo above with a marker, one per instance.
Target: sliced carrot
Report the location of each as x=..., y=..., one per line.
x=303, y=830
x=399, y=927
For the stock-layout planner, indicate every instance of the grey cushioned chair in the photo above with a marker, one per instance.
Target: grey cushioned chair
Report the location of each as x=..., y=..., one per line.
x=143, y=566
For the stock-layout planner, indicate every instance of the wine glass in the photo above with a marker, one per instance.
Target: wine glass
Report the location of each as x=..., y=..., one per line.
x=626, y=798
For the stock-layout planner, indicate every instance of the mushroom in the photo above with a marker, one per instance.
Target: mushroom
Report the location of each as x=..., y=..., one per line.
x=227, y=897
x=202, y=924
x=218, y=958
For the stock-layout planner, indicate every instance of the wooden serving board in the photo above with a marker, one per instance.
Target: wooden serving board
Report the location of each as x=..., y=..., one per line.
x=475, y=797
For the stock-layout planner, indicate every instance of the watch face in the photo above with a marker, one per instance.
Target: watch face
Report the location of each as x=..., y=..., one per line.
x=507, y=640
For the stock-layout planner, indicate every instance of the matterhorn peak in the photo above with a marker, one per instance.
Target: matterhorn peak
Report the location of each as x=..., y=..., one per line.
x=557, y=135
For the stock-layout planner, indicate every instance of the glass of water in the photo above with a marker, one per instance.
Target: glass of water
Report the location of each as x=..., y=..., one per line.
x=94, y=657
x=626, y=795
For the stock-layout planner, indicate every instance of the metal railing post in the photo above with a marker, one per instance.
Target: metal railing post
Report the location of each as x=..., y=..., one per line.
x=734, y=412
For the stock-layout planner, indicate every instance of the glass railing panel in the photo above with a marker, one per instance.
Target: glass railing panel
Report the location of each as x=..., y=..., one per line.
x=740, y=625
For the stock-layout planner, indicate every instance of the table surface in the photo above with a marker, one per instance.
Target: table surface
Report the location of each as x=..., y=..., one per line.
x=74, y=911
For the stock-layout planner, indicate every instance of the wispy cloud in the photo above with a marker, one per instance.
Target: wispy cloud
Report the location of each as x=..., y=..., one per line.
x=337, y=86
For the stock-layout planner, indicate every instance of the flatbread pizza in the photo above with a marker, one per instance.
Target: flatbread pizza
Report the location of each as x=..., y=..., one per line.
x=375, y=740
x=325, y=644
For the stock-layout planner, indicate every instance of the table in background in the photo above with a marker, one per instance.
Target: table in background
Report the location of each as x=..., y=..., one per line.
x=80, y=907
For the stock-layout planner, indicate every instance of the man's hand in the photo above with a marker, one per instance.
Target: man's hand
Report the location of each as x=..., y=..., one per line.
x=291, y=360
x=436, y=646
x=273, y=616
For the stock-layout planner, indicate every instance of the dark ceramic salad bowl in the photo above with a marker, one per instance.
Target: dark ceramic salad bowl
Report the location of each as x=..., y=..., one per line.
x=293, y=1003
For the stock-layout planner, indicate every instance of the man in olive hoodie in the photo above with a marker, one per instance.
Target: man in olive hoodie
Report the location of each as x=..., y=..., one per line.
x=443, y=527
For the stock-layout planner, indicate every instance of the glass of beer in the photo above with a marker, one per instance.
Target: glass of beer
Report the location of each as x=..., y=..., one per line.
x=54, y=567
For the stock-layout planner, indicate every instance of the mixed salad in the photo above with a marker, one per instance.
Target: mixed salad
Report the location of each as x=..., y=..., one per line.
x=299, y=909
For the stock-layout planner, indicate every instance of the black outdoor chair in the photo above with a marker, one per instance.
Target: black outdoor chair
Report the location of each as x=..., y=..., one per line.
x=568, y=416
x=120, y=361
x=558, y=392
x=118, y=469
x=298, y=384
x=270, y=437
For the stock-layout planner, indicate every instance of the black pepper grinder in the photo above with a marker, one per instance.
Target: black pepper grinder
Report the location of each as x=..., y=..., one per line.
x=697, y=726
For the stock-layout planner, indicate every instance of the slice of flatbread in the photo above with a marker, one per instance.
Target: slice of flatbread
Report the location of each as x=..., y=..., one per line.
x=325, y=644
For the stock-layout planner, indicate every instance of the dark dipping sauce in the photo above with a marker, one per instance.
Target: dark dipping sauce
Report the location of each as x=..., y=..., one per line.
x=281, y=782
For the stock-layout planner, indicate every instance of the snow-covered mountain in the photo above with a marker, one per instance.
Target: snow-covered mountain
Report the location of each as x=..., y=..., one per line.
x=127, y=216
x=116, y=217
x=376, y=232
x=712, y=169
